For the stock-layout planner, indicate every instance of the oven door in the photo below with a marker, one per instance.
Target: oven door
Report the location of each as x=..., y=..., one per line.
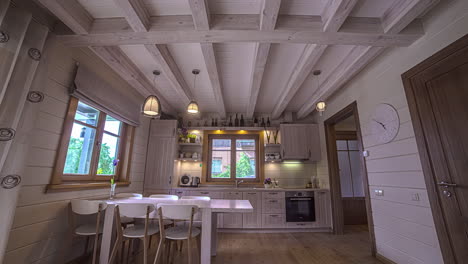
x=300, y=209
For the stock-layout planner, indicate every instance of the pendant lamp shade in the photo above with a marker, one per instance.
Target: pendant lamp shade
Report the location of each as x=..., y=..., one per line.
x=192, y=107
x=151, y=106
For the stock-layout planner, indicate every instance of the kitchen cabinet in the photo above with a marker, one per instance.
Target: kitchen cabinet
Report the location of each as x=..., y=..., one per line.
x=273, y=202
x=253, y=220
x=322, y=209
x=161, y=154
x=300, y=142
x=232, y=220
x=273, y=220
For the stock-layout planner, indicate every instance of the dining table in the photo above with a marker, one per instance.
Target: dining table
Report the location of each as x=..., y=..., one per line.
x=209, y=214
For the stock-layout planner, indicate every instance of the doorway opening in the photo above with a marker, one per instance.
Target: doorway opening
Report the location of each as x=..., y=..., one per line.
x=348, y=174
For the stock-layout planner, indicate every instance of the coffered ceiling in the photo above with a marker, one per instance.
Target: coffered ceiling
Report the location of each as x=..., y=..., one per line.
x=255, y=56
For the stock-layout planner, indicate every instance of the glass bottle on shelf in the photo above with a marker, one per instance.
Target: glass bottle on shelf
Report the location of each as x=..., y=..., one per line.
x=236, y=121
x=242, y=122
x=255, y=122
x=230, y=121
x=268, y=122
x=263, y=122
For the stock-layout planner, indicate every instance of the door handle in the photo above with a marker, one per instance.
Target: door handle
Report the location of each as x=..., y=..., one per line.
x=446, y=184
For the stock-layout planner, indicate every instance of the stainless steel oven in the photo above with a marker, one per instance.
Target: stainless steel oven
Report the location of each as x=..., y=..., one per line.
x=300, y=206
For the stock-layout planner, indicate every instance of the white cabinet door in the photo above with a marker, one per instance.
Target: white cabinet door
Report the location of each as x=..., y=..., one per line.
x=232, y=220
x=273, y=221
x=322, y=209
x=300, y=141
x=315, y=153
x=164, y=128
x=160, y=162
x=253, y=220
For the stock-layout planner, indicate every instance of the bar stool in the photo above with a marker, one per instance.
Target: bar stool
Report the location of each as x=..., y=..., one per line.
x=85, y=207
x=164, y=196
x=134, y=232
x=177, y=233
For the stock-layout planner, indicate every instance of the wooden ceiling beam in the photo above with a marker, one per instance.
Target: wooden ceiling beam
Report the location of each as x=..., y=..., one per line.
x=201, y=20
x=135, y=13
x=71, y=13
x=116, y=59
x=268, y=18
x=171, y=71
x=335, y=14
x=308, y=59
x=403, y=12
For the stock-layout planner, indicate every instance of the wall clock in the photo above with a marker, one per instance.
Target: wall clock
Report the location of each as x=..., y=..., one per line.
x=384, y=123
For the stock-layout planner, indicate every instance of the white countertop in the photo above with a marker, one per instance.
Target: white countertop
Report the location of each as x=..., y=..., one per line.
x=246, y=189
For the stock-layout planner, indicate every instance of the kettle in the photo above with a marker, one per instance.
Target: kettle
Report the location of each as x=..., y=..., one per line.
x=195, y=181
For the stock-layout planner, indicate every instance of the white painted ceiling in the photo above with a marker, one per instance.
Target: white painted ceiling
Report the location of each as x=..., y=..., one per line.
x=235, y=60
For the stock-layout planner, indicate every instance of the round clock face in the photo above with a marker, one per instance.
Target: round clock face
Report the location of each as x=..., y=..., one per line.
x=384, y=123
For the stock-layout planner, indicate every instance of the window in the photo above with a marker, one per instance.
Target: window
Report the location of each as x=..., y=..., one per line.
x=91, y=141
x=232, y=157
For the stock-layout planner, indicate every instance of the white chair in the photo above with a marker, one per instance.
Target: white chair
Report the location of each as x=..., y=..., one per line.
x=177, y=233
x=85, y=207
x=164, y=196
x=129, y=195
x=136, y=231
x=200, y=198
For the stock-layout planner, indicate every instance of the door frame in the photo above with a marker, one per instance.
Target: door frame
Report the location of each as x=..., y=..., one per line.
x=334, y=171
x=420, y=134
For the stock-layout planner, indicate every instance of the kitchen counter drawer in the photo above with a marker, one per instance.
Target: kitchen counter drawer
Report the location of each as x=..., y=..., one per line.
x=212, y=195
x=300, y=224
x=273, y=220
x=273, y=194
x=272, y=205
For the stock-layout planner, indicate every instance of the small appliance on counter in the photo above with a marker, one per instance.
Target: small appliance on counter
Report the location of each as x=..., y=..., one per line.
x=189, y=181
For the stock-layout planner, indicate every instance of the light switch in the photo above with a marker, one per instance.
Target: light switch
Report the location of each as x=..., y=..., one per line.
x=365, y=153
x=378, y=192
x=415, y=197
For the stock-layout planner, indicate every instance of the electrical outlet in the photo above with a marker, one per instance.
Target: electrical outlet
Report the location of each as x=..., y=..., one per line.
x=379, y=192
x=415, y=197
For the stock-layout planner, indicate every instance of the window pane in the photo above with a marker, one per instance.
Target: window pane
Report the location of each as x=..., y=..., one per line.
x=221, y=144
x=245, y=144
x=221, y=164
x=86, y=114
x=109, y=152
x=112, y=125
x=341, y=145
x=80, y=150
x=245, y=164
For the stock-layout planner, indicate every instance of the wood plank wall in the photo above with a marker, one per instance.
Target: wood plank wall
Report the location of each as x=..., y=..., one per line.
x=403, y=223
x=40, y=222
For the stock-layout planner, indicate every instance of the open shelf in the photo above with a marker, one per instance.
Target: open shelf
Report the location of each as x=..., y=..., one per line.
x=232, y=128
x=189, y=159
x=272, y=145
x=191, y=144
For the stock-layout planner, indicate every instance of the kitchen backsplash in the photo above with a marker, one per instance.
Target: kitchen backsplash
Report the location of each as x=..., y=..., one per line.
x=289, y=175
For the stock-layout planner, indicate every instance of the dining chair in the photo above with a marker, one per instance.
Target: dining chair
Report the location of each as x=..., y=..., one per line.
x=137, y=231
x=86, y=207
x=129, y=195
x=164, y=196
x=176, y=233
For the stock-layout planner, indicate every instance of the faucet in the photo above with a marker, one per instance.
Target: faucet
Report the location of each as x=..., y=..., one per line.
x=238, y=182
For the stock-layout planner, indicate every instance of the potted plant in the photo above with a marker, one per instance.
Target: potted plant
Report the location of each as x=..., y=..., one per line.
x=183, y=135
x=192, y=138
x=267, y=183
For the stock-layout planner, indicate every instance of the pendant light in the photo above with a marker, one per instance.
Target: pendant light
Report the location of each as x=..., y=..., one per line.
x=152, y=107
x=192, y=107
x=321, y=105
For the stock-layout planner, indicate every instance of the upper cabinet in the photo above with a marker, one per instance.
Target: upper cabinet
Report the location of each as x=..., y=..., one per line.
x=300, y=142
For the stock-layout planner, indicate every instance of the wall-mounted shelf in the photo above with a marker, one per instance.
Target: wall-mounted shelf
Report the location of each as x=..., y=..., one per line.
x=272, y=145
x=189, y=159
x=191, y=144
x=232, y=128
x=273, y=160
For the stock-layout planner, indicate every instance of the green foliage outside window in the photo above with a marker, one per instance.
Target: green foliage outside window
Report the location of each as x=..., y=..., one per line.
x=74, y=154
x=243, y=169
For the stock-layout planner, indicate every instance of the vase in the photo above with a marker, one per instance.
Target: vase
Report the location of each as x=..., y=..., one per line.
x=112, y=191
x=267, y=186
x=192, y=140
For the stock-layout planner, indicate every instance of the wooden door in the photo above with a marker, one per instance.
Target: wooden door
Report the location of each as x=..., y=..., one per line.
x=164, y=128
x=294, y=141
x=160, y=162
x=254, y=219
x=232, y=220
x=438, y=96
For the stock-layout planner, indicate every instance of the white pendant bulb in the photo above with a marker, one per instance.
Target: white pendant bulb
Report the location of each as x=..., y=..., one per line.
x=192, y=107
x=321, y=105
x=152, y=106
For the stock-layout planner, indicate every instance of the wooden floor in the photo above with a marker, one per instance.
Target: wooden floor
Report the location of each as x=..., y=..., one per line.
x=289, y=248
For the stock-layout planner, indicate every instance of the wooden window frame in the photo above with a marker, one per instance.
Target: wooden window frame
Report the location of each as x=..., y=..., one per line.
x=233, y=136
x=61, y=180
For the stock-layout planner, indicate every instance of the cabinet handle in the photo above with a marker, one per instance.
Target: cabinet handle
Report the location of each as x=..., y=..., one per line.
x=300, y=224
x=251, y=193
x=273, y=193
x=274, y=215
x=205, y=193
x=283, y=153
x=273, y=201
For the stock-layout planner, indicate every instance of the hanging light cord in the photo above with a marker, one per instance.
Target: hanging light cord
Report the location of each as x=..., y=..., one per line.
x=194, y=82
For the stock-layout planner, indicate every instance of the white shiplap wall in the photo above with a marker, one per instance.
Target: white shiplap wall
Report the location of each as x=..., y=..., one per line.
x=38, y=234
x=404, y=227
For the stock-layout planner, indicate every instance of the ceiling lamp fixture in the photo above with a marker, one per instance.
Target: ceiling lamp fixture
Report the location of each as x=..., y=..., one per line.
x=321, y=105
x=192, y=107
x=152, y=107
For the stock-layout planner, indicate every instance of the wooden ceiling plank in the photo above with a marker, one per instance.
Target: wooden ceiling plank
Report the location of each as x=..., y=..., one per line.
x=171, y=71
x=212, y=68
x=135, y=13
x=71, y=13
x=116, y=59
x=268, y=18
x=222, y=36
x=335, y=14
x=403, y=12
x=200, y=13
x=354, y=62
x=303, y=68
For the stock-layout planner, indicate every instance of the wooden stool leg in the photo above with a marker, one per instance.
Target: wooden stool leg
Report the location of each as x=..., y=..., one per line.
x=189, y=251
x=199, y=248
x=86, y=246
